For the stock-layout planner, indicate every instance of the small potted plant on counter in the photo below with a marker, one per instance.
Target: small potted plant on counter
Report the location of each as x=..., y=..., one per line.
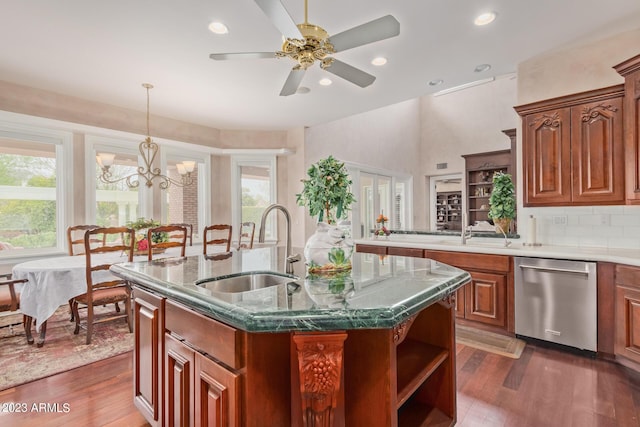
x=502, y=202
x=327, y=194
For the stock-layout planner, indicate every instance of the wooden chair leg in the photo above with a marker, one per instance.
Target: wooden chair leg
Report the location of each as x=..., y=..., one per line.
x=26, y=321
x=117, y=308
x=43, y=333
x=71, y=310
x=89, y=322
x=77, y=317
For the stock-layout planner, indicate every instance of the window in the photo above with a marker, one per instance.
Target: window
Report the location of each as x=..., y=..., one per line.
x=116, y=204
x=33, y=184
x=254, y=188
x=187, y=204
x=379, y=192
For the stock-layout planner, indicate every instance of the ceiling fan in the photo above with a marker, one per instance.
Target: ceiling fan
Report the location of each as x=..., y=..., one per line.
x=307, y=43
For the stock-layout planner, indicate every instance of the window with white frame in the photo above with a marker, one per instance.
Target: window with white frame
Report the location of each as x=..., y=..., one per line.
x=253, y=189
x=118, y=203
x=379, y=192
x=33, y=187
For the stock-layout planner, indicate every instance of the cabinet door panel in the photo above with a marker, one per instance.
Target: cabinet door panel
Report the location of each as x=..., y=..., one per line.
x=485, y=298
x=460, y=302
x=179, y=365
x=216, y=395
x=147, y=314
x=546, y=158
x=628, y=323
x=597, y=152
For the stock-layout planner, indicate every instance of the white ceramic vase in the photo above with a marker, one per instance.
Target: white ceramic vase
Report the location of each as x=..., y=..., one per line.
x=328, y=249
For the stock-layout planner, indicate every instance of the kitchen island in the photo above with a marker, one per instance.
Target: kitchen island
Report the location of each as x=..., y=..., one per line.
x=375, y=346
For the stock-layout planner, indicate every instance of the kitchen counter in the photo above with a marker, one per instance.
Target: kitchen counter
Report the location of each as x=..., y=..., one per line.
x=374, y=346
x=496, y=246
x=372, y=295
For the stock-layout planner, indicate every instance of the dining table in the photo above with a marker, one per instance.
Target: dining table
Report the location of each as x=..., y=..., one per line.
x=52, y=282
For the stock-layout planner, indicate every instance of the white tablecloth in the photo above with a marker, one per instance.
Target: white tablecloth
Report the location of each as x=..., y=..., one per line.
x=54, y=281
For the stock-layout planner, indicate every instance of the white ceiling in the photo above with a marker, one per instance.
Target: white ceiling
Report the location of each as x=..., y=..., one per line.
x=104, y=50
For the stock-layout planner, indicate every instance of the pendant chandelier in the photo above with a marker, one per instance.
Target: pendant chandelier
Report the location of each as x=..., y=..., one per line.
x=148, y=150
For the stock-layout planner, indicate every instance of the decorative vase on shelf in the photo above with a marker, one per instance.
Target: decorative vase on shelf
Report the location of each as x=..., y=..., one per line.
x=328, y=250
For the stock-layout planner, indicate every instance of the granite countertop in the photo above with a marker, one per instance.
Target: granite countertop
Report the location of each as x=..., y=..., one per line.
x=495, y=245
x=377, y=293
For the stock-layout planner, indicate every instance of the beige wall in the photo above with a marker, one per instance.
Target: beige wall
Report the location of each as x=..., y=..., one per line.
x=387, y=138
x=575, y=68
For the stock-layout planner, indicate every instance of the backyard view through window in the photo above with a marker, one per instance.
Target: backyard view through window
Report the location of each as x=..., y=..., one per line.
x=255, y=182
x=116, y=203
x=28, y=207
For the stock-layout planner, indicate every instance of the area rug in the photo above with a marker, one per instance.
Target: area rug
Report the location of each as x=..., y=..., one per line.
x=489, y=341
x=21, y=363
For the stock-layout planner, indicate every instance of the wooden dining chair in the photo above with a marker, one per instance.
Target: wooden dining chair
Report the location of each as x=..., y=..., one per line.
x=75, y=241
x=247, y=231
x=10, y=301
x=104, y=288
x=177, y=238
x=217, y=234
x=75, y=238
x=189, y=228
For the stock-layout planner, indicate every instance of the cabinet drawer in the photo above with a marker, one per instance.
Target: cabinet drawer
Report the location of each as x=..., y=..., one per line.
x=412, y=252
x=222, y=342
x=472, y=261
x=628, y=276
x=372, y=249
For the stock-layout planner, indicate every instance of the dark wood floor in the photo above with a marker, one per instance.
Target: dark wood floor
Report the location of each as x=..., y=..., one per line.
x=544, y=388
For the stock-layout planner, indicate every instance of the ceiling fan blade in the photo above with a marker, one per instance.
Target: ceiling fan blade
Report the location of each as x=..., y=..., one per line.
x=352, y=74
x=242, y=55
x=280, y=18
x=293, y=82
x=373, y=31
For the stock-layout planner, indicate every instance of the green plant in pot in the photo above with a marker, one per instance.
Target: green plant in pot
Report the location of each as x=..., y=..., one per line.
x=327, y=194
x=502, y=202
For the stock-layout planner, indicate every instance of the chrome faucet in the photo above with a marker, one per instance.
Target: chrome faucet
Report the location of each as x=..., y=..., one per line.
x=507, y=242
x=288, y=258
x=466, y=234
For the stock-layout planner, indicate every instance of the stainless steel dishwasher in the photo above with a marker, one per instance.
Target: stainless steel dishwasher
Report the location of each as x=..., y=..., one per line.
x=556, y=301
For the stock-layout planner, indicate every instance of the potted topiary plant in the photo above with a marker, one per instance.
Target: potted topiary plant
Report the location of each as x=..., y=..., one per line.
x=502, y=202
x=327, y=194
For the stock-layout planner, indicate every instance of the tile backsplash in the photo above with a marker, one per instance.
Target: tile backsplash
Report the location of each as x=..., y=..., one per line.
x=589, y=226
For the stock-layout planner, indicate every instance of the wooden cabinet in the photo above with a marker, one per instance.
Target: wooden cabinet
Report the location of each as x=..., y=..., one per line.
x=148, y=312
x=630, y=70
x=627, y=324
x=479, y=169
x=408, y=371
x=199, y=391
x=488, y=299
x=449, y=210
x=573, y=150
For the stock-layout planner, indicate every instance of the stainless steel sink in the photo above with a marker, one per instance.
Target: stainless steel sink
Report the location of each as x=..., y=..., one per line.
x=246, y=282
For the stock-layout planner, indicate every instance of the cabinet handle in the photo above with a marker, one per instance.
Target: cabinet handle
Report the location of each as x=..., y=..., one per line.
x=555, y=270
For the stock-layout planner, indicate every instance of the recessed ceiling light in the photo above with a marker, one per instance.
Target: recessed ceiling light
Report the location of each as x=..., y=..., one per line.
x=218, y=28
x=379, y=61
x=485, y=18
x=325, y=82
x=302, y=90
x=436, y=82
x=482, y=67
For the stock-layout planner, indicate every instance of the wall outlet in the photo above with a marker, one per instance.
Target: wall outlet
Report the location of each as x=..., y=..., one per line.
x=605, y=219
x=560, y=220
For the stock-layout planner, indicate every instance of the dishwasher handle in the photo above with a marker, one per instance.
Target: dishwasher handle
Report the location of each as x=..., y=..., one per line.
x=556, y=270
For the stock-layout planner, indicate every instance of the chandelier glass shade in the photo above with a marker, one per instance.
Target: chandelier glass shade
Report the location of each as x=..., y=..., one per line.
x=147, y=172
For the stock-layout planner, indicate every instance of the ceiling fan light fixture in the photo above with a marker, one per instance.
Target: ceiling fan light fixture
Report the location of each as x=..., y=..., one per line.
x=485, y=18
x=218, y=28
x=325, y=82
x=379, y=61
